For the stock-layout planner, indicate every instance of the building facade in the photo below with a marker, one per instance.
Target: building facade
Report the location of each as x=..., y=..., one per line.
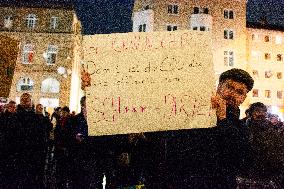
x=265, y=62
x=47, y=63
x=232, y=41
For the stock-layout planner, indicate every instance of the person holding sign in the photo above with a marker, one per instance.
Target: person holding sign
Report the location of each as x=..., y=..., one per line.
x=206, y=157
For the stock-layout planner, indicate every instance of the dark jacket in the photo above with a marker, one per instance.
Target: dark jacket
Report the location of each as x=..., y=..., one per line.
x=199, y=158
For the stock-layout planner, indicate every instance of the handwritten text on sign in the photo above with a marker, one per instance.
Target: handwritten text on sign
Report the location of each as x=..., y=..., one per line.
x=149, y=82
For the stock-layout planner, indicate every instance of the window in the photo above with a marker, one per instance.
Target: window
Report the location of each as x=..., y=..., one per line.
x=28, y=53
x=31, y=21
x=268, y=74
x=8, y=21
x=255, y=54
x=50, y=85
x=228, y=34
x=279, y=75
x=255, y=37
x=267, y=56
x=51, y=54
x=279, y=57
x=278, y=39
x=25, y=84
x=205, y=10
x=202, y=28
x=173, y=9
x=194, y=28
x=255, y=73
x=142, y=28
x=266, y=38
x=197, y=10
x=229, y=58
x=228, y=14
x=279, y=94
x=255, y=93
x=267, y=94
x=146, y=7
x=49, y=102
x=171, y=27
x=53, y=22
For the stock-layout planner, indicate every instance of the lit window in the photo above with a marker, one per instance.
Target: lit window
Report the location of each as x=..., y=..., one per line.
x=268, y=74
x=173, y=9
x=266, y=38
x=171, y=27
x=8, y=21
x=228, y=14
x=278, y=39
x=50, y=85
x=255, y=73
x=255, y=93
x=28, y=54
x=49, y=102
x=229, y=58
x=51, y=54
x=228, y=34
x=267, y=93
x=279, y=57
x=31, y=20
x=279, y=94
x=25, y=84
x=142, y=28
x=279, y=75
x=53, y=22
x=267, y=56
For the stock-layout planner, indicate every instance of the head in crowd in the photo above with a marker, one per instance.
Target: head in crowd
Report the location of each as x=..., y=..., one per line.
x=11, y=107
x=258, y=111
x=234, y=85
x=274, y=119
x=64, y=112
x=26, y=101
x=39, y=109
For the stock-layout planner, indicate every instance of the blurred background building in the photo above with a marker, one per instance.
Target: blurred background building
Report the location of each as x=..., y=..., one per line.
x=49, y=36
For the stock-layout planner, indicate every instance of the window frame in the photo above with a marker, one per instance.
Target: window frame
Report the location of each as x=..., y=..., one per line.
x=31, y=20
x=54, y=22
x=230, y=56
x=227, y=34
x=28, y=53
x=8, y=21
x=51, y=52
x=173, y=9
x=227, y=12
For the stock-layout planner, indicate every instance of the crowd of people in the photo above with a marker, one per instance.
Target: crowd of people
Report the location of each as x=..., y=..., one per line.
x=213, y=158
x=26, y=137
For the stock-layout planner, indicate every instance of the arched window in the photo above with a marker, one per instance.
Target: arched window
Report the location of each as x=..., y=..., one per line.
x=28, y=53
x=31, y=20
x=25, y=84
x=50, y=85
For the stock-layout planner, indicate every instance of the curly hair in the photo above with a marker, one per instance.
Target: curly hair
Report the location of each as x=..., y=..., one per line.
x=238, y=75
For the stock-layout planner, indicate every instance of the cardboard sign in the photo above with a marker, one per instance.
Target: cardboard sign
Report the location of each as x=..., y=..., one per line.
x=143, y=82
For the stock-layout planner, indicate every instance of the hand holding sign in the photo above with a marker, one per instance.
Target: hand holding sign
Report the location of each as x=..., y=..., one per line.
x=85, y=79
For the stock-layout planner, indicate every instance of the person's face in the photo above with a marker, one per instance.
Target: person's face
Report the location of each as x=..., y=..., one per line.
x=259, y=114
x=39, y=109
x=11, y=107
x=233, y=92
x=26, y=101
x=274, y=120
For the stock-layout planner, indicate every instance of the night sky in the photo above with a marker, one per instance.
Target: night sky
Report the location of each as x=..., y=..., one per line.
x=113, y=16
